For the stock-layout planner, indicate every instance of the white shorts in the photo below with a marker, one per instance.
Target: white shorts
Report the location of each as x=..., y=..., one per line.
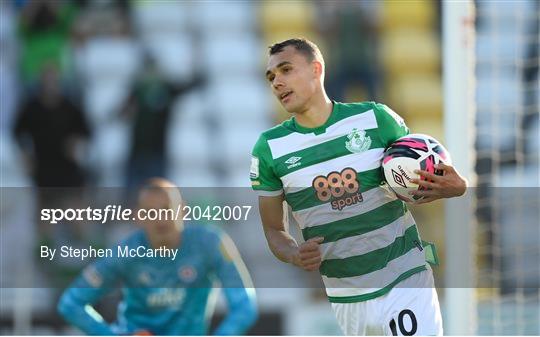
x=410, y=308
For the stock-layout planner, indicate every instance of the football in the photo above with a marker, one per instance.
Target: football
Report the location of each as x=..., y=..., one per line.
x=409, y=153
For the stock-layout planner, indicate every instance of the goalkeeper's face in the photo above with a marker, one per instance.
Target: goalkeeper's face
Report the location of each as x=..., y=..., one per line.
x=293, y=78
x=157, y=210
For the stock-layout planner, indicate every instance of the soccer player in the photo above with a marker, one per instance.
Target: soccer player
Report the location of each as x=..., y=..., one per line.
x=369, y=252
x=162, y=296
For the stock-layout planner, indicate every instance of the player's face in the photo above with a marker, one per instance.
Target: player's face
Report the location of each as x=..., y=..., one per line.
x=158, y=202
x=293, y=79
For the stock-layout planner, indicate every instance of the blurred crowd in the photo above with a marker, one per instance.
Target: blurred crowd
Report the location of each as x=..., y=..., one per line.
x=55, y=68
x=90, y=87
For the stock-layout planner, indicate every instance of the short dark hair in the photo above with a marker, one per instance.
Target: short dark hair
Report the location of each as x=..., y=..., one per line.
x=309, y=49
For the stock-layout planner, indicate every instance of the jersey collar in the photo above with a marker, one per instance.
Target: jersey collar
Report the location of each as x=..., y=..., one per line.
x=322, y=128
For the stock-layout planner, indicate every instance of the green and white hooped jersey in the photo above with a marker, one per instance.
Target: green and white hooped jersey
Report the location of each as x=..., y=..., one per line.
x=332, y=179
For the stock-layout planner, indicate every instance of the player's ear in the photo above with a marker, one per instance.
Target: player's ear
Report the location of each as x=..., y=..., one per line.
x=179, y=221
x=317, y=68
x=138, y=221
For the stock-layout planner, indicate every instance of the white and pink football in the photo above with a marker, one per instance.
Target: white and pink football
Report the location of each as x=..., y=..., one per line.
x=409, y=153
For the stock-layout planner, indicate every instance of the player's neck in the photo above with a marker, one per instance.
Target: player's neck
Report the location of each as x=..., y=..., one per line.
x=172, y=241
x=316, y=113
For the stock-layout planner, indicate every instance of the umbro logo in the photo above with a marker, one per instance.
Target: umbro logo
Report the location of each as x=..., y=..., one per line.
x=293, y=162
x=398, y=178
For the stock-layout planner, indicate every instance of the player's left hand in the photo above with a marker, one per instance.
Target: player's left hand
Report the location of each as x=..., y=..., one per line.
x=448, y=185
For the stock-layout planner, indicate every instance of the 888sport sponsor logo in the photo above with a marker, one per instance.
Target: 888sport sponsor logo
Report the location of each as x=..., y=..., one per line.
x=341, y=189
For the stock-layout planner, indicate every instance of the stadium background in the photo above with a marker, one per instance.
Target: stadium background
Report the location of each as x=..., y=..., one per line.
x=177, y=88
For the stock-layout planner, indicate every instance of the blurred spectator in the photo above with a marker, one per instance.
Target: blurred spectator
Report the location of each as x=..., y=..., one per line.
x=8, y=74
x=101, y=18
x=54, y=127
x=348, y=29
x=531, y=84
x=44, y=28
x=149, y=106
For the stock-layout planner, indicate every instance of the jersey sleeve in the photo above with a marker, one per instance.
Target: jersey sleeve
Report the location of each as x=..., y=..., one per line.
x=237, y=287
x=76, y=302
x=262, y=174
x=391, y=126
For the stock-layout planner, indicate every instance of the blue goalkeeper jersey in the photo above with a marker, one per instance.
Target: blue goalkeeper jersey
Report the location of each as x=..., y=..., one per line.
x=165, y=296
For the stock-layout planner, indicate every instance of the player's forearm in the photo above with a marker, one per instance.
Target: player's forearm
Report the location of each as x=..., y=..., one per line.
x=236, y=324
x=242, y=312
x=82, y=316
x=283, y=246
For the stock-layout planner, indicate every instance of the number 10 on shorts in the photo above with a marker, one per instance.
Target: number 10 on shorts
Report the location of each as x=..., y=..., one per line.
x=405, y=331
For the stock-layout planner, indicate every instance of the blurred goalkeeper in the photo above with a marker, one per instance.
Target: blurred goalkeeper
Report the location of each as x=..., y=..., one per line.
x=162, y=296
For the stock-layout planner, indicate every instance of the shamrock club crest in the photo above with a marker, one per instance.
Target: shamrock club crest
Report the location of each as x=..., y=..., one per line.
x=358, y=141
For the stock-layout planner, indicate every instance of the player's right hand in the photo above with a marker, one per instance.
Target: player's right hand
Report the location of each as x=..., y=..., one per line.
x=142, y=333
x=308, y=256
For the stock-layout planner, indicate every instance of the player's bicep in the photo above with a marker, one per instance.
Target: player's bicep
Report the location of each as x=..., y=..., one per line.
x=96, y=280
x=272, y=213
x=262, y=175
